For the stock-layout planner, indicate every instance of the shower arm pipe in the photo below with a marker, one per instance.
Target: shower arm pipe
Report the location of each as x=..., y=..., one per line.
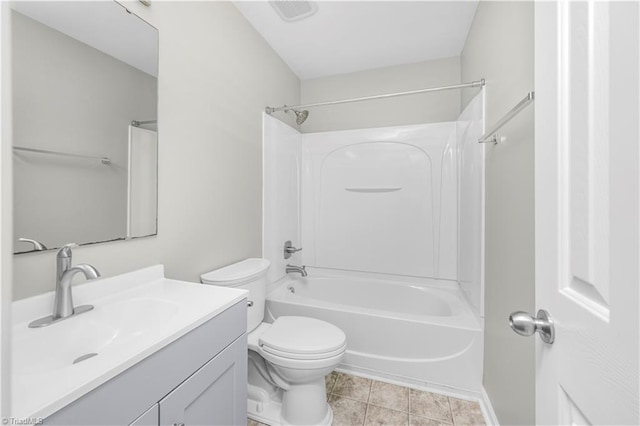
x=479, y=83
x=491, y=135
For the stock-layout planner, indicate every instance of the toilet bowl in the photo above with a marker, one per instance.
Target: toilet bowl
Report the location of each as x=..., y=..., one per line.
x=288, y=359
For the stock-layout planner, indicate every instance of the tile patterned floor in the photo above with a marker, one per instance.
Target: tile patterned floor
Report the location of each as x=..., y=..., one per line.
x=365, y=402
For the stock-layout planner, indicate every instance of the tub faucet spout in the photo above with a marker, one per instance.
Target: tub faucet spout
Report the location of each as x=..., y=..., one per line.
x=302, y=270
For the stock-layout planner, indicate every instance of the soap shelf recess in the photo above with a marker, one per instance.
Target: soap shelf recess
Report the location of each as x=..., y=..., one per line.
x=373, y=190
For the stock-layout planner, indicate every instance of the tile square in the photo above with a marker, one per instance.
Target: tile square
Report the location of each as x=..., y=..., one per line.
x=347, y=412
x=379, y=416
x=466, y=412
x=430, y=405
x=389, y=396
x=352, y=387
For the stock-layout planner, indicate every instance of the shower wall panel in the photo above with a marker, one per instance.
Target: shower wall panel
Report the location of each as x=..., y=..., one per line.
x=470, y=126
x=382, y=200
x=281, y=199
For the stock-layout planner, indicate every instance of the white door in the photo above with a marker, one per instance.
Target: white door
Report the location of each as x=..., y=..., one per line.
x=587, y=215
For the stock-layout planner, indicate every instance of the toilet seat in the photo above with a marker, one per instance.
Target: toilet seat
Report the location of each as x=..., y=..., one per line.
x=298, y=342
x=302, y=338
x=322, y=355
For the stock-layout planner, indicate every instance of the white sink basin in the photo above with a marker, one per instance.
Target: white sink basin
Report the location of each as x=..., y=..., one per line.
x=42, y=353
x=134, y=315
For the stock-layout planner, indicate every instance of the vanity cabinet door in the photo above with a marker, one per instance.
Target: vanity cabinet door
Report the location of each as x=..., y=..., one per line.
x=149, y=418
x=216, y=394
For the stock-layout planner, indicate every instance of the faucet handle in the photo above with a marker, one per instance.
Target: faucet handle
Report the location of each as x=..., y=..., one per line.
x=37, y=245
x=65, y=250
x=289, y=249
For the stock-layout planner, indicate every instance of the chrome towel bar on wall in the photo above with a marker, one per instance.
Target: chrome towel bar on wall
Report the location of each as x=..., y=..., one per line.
x=103, y=160
x=491, y=135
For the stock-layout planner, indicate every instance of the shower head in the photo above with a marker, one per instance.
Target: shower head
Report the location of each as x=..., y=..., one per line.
x=301, y=116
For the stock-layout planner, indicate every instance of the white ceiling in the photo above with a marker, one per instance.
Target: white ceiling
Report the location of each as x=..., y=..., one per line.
x=103, y=25
x=349, y=36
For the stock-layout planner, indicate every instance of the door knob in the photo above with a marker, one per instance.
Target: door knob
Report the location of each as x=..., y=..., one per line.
x=526, y=325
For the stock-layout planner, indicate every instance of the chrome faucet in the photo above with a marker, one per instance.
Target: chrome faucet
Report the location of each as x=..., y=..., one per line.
x=63, y=304
x=302, y=270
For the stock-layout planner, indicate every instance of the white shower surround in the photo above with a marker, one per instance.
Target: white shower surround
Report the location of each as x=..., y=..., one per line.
x=281, y=194
x=452, y=163
x=381, y=200
x=469, y=126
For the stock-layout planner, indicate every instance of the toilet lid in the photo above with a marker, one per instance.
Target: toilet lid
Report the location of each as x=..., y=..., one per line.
x=303, y=336
x=237, y=273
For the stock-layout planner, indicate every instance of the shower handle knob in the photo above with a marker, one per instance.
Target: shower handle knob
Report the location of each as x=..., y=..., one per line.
x=289, y=249
x=526, y=325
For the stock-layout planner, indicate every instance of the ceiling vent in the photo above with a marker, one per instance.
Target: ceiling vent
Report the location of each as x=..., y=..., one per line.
x=294, y=10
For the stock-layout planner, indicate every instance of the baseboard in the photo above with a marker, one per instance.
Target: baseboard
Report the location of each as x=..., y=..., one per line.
x=487, y=409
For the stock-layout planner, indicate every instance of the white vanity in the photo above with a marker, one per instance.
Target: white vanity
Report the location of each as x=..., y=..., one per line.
x=153, y=351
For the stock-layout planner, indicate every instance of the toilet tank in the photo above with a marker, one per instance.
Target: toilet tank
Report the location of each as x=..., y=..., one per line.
x=249, y=274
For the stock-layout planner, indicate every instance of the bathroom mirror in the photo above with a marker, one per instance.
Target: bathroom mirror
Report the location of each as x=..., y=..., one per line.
x=84, y=81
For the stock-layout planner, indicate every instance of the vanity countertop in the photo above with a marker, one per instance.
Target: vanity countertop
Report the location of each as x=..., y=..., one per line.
x=134, y=315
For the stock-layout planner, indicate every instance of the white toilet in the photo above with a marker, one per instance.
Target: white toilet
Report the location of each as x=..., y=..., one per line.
x=288, y=359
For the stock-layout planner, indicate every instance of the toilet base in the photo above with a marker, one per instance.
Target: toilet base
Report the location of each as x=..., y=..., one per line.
x=270, y=411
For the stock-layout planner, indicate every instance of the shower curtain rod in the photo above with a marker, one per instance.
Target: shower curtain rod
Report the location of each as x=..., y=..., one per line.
x=479, y=83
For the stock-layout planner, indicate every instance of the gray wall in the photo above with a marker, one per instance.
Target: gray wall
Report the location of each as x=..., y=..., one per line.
x=70, y=97
x=414, y=109
x=216, y=76
x=500, y=48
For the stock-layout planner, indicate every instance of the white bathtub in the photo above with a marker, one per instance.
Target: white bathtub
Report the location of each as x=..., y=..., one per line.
x=412, y=333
